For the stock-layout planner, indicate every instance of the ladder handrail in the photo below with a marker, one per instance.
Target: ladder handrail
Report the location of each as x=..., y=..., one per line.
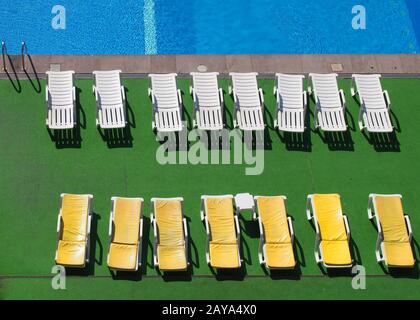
x=4, y=53
x=24, y=53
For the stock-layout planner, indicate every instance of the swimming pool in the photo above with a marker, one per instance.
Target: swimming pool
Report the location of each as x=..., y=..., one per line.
x=211, y=26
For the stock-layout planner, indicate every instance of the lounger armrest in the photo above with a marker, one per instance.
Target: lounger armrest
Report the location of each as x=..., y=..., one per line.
x=387, y=99
x=309, y=215
x=179, y=97
x=261, y=228
x=155, y=232
x=185, y=227
x=74, y=93
x=123, y=92
x=222, y=99
x=370, y=211
x=292, y=233
x=305, y=99
x=260, y=251
x=207, y=226
x=89, y=224
x=141, y=229
x=261, y=94
x=238, y=230
x=47, y=93
x=110, y=225
x=378, y=254
x=346, y=224
x=95, y=92
x=343, y=98
x=408, y=223
x=59, y=222
x=318, y=256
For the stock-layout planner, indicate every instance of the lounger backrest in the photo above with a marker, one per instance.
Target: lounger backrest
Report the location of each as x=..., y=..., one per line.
x=329, y=217
x=169, y=221
x=206, y=88
x=74, y=212
x=290, y=89
x=326, y=89
x=127, y=220
x=370, y=91
x=165, y=90
x=246, y=89
x=391, y=217
x=60, y=85
x=108, y=85
x=272, y=211
x=221, y=220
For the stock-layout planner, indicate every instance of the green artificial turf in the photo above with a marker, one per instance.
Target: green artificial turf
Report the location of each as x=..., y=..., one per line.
x=35, y=170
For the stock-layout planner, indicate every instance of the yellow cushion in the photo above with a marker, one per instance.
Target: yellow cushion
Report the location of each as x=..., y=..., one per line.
x=329, y=216
x=71, y=253
x=169, y=221
x=123, y=256
x=273, y=217
x=74, y=212
x=280, y=255
x=220, y=216
x=391, y=217
x=127, y=220
x=336, y=252
x=399, y=254
x=224, y=255
x=172, y=257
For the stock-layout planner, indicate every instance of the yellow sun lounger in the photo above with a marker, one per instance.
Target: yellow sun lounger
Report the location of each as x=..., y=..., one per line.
x=223, y=232
x=332, y=230
x=73, y=230
x=171, y=235
x=125, y=234
x=276, y=233
x=393, y=247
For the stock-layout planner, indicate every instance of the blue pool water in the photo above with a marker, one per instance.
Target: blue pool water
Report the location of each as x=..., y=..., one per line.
x=211, y=26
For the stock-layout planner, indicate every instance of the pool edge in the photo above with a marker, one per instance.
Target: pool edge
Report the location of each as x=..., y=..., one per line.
x=344, y=64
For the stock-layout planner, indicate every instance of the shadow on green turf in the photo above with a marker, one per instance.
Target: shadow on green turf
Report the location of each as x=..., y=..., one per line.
x=15, y=82
x=37, y=84
x=296, y=141
x=120, y=137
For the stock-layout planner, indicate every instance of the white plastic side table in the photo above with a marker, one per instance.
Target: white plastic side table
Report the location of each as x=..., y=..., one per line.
x=244, y=201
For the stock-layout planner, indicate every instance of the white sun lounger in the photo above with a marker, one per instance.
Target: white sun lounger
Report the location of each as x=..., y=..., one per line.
x=249, y=101
x=167, y=103
x=208, y=101
x=330, y=102
x=374, y=103
x=61, y=97
x=110, y=99
x=291, y=103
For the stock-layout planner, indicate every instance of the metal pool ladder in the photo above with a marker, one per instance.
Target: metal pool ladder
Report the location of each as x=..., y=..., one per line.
x=24, y=53
x=4, y=54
